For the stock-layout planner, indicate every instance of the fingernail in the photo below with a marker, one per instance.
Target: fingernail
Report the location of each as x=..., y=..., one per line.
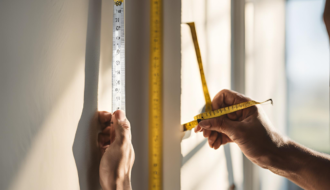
x=120, y=115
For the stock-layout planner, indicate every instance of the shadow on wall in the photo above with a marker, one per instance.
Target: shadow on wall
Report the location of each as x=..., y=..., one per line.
x=84, y=148
x=40, y=58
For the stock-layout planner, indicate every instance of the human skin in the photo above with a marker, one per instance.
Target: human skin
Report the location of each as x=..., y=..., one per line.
x=251, y=130
x=117, y=151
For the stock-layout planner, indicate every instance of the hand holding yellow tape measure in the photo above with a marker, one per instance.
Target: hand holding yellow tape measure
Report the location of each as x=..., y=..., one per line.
x=155, y=92
x=209, y=113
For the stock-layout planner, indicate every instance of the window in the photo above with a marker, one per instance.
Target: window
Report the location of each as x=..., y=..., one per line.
x=307, y=67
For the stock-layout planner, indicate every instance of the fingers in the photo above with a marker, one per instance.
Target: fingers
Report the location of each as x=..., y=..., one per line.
x=122, y=127
x=218, y=141
x=198, y=129
x=228, y=97
x=206, y=133
x=104, y=119
x=213, y=136
x=103, y=142
x=225, y=139
x=106, y=135
x=219, y=124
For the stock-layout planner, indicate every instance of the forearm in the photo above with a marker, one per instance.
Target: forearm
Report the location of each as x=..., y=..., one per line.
x=305, y=167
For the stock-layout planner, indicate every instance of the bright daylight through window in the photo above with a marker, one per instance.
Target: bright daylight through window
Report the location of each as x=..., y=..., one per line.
x=307, y=63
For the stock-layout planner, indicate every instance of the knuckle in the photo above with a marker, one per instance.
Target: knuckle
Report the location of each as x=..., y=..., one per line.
x=125, y=124
x=124, y=140
x=102, y=113
x=223, y=91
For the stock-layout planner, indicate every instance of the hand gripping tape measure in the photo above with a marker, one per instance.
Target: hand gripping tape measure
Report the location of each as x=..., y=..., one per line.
x=220, y=112
x=209, y=113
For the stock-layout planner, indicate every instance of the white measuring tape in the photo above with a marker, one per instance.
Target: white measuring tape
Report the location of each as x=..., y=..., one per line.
x=118, y=56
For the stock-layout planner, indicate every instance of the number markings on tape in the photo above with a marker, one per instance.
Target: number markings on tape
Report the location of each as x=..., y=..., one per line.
x=208, y=104
x=155, y=97
x=118, y=56
x=220, y=112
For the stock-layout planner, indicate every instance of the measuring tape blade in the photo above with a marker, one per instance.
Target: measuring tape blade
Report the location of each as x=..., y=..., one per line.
x=155, y=97
x=229, y=109
x=208, y=104
x=221, y=112
x=118, y=56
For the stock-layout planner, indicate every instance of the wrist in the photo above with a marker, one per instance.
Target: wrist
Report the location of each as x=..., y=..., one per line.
x=127, y=183
x=117, y=183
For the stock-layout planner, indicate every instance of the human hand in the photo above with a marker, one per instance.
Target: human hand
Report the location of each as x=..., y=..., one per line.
x=117, y=151
x=248, y=128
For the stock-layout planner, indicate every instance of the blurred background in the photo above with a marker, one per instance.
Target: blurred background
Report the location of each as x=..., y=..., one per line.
x=275, y=49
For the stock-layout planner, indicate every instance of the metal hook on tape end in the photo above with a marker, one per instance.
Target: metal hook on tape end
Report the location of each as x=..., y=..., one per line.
x=271, y=101
x=187, y=133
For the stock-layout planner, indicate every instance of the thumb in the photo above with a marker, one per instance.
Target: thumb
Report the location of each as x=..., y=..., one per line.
x=220, y=124
x=122, y=127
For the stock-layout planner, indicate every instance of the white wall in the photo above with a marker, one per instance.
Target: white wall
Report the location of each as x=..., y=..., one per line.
x=55, y=73
x=42, y=68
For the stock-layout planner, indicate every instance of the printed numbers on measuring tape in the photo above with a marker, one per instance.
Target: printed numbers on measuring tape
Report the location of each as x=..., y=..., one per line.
x=155, y=97
x=208, y=104
x=220, y=112
x=118, y=56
